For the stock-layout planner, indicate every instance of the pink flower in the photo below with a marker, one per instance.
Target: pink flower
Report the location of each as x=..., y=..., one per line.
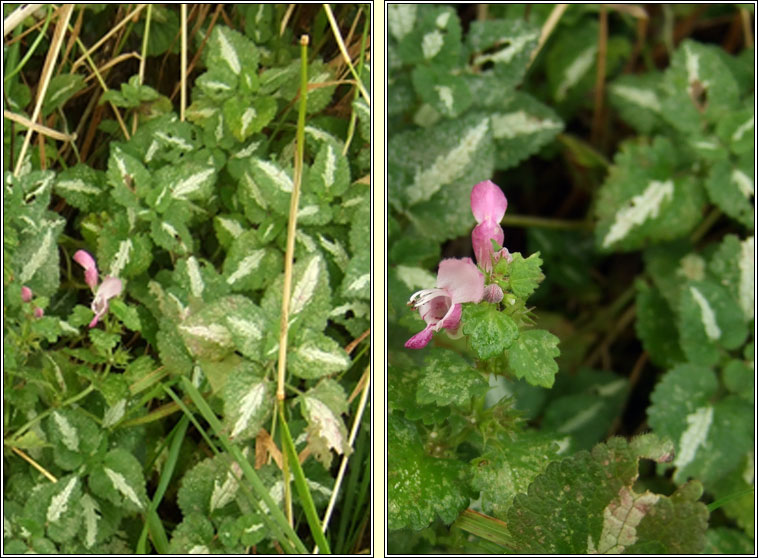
x=86, y=260
x=26, y=294
x=38, y=312
x=109, y=288
x=458, y=281
x=488, y=204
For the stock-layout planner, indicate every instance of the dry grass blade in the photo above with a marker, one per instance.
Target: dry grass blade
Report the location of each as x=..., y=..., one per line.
x=17, y=16
x=39, y=128
x=547, y=28
x=112, y=62
x=79, y=61
x=47, y=72
x=345, y=55
x=34, y=464
x=183, y=68
x=366, y=382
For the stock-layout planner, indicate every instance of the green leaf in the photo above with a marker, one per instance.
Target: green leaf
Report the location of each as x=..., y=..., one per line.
x=329, y=175
x=164, y=29
x=248, y=402
x=532, y=357
x=644, y=198
x=734, y=493
x=656, y=326
x=228, y=227
x=447, y=379
x=247, y=325
x=82, y=187
x=582, y=504
x=231, y=50
x=218, y=84
x=506, y=44
x=75, y=438
x=132, y=94
x=246, y=117
x=570, y=63
x=259, y=22
x=432, y=37
x=501, y=472
x=678, y=394
x=402, y=386
x=128, y=176
x=525, y=274
x=738, y=279
x=638, y=101
x=193, y=180
x=434, y=168
x=121, y=254
x=724, y=540
x=246, y=260
x=708, y=319
x=317, y=355
x=490, y=331
x=195, y=534
x=739, y=378
x=127, y=314
x=521, y=128
x=174, y=355
x=583, y=405
x=57, y=507
x=36, y=262
x=446, y=92
x=421, y=487
x=357, y=281
x=361, y=108
x=61, y=88
x=708, y=435
x=691, y=94
x=732, y=188
x=265, y=186
x=322, y=407
x=120, y=480
x=310, y=298
x=205, y=331
x=171, y=233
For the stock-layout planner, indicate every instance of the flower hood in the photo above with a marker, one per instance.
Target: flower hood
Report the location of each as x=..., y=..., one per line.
x=488, y=204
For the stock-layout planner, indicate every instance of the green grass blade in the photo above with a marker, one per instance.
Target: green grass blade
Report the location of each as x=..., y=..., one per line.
x=484, y=526
x=306, y=500
x=153, y=522
x=276, y=520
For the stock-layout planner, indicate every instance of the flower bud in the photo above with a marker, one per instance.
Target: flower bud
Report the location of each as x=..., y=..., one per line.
x=493, y=293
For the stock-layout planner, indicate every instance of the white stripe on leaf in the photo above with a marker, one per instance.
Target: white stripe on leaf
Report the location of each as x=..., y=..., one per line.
x=249, y=406
x=707, y=316
x=304, y=289
x=119, y=481
x=639, y=209
x=59, y=502
x=69, y=434
x=246, y=266
x=36, y=261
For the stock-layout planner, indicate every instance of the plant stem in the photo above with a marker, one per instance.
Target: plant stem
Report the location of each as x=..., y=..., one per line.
x=135, y=116
x=43, y=414
x=541, y=222
x=289, y=256
x=292, y=223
